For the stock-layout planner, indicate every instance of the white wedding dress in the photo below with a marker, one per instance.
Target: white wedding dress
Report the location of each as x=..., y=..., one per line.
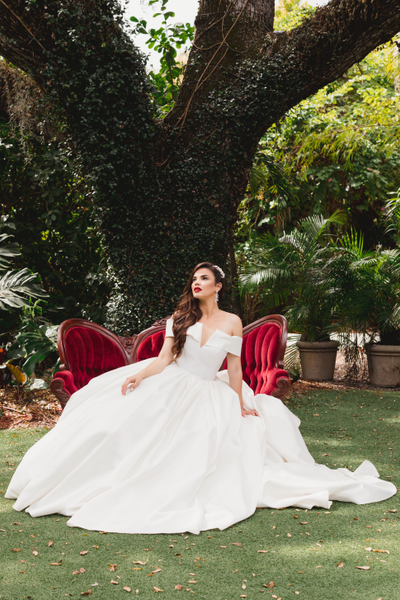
x=176, y=455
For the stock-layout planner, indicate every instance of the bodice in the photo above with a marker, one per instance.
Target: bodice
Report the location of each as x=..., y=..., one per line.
x=205, y=361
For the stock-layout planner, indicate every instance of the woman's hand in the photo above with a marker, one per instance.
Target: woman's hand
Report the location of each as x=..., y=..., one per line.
x=131, y=383
x=246, y=413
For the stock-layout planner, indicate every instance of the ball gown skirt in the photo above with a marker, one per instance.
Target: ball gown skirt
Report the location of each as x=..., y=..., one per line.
x=175, y=454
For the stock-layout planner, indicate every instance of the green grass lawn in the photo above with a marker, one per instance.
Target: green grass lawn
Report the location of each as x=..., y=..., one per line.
x=302, y=549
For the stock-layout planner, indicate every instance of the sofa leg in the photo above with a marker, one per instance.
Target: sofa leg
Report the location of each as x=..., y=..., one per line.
x=282, y=389
x=57, y=387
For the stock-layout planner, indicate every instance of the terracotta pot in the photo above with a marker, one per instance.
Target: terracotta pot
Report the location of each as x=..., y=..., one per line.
x=383, y=365
x=318, y=359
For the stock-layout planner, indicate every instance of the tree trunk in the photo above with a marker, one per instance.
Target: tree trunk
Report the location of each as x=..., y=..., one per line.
x=167, y=192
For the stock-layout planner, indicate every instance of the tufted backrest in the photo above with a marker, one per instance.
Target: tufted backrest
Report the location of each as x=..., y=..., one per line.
x=260, y=354
x=87, y=352
x=150, y=346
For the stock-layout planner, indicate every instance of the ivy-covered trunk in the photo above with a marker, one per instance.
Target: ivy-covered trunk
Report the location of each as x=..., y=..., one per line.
x=167, y=192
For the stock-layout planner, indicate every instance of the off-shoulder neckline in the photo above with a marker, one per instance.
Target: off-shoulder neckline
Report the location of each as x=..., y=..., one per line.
x=212, y=335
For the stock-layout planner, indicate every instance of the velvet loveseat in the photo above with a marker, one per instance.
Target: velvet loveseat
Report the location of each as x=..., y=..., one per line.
x=87, y=350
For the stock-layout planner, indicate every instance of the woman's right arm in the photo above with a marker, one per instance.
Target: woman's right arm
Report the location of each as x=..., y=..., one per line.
x=157, y=366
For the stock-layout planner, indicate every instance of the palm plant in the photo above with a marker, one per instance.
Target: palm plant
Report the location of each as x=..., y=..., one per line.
x=292, y=271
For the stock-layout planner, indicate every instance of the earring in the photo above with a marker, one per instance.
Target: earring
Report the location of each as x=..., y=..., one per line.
x=216, y=296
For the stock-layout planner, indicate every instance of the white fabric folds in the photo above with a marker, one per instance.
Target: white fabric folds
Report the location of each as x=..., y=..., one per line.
x=176, y=455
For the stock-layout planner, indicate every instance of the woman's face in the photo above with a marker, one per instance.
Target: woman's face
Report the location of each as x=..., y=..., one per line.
x=203, y=284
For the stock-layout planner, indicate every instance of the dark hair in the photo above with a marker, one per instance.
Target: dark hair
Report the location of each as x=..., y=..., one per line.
x=188, y=312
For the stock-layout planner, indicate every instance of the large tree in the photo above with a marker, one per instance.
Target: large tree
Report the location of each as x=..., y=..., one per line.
x=167, y=191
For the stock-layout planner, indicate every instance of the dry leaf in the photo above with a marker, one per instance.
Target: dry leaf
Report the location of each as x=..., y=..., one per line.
x=325, y=455
x=223, y=546
x=262, y=551
x=179, y=587
x=50, y=543
x=56, y=564
x=363, y=568
x=113, y=567
x=15, y=550
x=394, y=510
x=289, y=535
x=341, y=564
x=243, y=586
x=192, y=581
x=156, y=571
x=156, y=589
x=35, y=553
x=139, y=562
x=114, y=582
x=271, y=584
x=236, y=543
x=83, y=552
x=301, y=572
x=75, y=572
x=82, y=570
x=126, y=588
x=382, y=551
x=303, y=522
x=88, y=593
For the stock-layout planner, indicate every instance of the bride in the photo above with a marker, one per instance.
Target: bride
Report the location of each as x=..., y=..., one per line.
x=181, y=446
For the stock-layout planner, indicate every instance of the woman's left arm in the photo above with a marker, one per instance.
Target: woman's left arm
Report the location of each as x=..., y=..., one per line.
x=235, y=372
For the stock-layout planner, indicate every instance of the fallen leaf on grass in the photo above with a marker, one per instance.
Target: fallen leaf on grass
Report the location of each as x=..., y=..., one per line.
x=364, y=568
x=369, y=549
x=83, y=552
x=289, y=535
x=341, y=564
x=16, y=550
x=179, y=587
x=50, y=543
x=262, y=551
x=126, y=588
x=56, y=564
x=236, y=543
x=192, y=581
x=35, y=553
x=243, y=586
x=156, y=589
x=114, y=582
x=88, y=593
x=223, y=546
x=18, y=523
x=394, y=510
x=303, y=522
x=156, y=571
x=75, y=572
x=139, y=562
x=82, y=570
x=113, y=567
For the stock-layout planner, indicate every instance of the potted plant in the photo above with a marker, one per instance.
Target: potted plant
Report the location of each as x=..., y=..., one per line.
x=293, y=270
x=368, y=292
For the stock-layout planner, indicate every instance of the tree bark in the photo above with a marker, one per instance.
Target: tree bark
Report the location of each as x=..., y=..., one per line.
x=167, y=191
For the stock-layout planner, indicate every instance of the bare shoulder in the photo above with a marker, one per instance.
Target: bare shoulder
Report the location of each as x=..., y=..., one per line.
x=234, y=324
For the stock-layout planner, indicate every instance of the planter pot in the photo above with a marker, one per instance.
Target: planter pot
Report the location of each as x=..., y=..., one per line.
x=318, y=359
x=383, y=365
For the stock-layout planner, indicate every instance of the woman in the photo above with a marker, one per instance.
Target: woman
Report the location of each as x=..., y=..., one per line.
x=172, y=452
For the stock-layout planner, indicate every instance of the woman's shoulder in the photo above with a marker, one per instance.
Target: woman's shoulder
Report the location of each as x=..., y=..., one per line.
x=234, y=322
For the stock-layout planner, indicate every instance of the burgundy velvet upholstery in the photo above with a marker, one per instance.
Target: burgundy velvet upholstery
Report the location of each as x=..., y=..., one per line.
x=151, y=346
x=259, y=357
x=90, y=354
x=88, y=350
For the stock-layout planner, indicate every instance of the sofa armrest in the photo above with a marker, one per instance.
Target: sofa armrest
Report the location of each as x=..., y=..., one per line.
x=278, y=383
x=63, y=386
